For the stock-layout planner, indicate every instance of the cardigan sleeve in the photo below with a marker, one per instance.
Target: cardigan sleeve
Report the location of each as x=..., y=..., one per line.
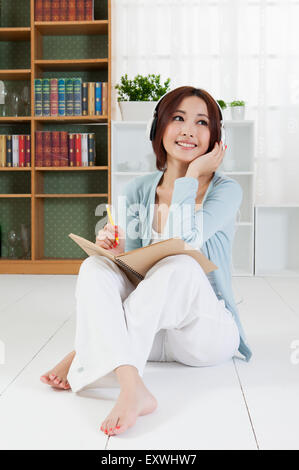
x=132, y=219
x=219, y=208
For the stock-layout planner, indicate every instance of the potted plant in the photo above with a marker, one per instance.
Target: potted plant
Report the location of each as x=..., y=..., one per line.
x=237, y=110
x=223, y=106
x=138, y=97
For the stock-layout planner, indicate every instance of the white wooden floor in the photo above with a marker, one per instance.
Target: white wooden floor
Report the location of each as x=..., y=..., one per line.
x=236, y=405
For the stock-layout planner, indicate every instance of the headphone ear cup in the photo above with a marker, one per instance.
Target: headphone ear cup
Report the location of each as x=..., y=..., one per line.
x=153, y=129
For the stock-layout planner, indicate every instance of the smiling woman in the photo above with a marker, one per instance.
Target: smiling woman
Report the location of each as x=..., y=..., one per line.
x=171, y=111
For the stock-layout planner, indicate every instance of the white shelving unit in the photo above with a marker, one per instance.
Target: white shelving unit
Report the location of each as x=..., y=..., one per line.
x=276, y=240
x=132, y=155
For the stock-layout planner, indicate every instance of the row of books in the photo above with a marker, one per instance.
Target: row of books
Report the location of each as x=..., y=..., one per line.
x=60, y=148
x=15, y=150
x=70, y=97
x=64, y=10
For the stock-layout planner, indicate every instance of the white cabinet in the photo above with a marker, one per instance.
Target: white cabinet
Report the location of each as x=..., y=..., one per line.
x=132, y=155
x=276, y=240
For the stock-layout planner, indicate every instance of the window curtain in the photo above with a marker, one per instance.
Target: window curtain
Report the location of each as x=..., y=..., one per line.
x=236, y=50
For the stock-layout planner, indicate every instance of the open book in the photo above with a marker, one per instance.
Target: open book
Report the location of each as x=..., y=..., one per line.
x=136, y=263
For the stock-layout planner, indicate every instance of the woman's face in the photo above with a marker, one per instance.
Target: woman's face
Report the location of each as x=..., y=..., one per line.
x=189, y=123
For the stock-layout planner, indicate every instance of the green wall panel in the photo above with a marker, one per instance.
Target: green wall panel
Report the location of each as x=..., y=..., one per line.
x=75, y=182
x=15, y=13
x=15, y=182
x=69, y=215
x=75, y=47
x=15, y=55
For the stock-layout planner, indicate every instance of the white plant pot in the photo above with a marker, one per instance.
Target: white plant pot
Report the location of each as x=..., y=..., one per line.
x=238, y=113
x=136, y=110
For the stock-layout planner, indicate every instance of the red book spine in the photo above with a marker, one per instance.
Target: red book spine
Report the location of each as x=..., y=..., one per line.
x=21, y=150
x=88, y=10
x=27, y=150
x=64, y=148
x=54, y=97
x=46, y=10
x=78, y=149
x=39, y=147
x=63, y=10
x=56, y=148
x=71, y=150
x=38, y=10
x=71, y=11
x=55, y=10
x=47, y=141
x=80, y=10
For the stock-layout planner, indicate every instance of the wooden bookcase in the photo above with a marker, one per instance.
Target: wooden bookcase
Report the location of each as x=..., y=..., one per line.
x=48, y=203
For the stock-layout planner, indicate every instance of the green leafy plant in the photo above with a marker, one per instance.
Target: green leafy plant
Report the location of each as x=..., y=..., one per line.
x=141, y=88
x=237, y=103
x=222, y=104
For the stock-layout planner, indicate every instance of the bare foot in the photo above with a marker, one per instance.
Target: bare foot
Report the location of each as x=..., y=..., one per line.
x=132, y=402
x=57, y=377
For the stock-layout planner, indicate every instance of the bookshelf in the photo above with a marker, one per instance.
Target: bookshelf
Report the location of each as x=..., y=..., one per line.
x=53, y=201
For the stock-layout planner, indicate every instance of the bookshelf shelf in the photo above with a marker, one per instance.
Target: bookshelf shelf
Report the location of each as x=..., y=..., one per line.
x=76, y=64
x=15, y=74
x=69, y=28
x=36, y=199
x=15, y=34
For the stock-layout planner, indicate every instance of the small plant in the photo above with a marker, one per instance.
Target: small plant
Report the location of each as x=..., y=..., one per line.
x=222, y=104
x=141, y=88
x=237, y=103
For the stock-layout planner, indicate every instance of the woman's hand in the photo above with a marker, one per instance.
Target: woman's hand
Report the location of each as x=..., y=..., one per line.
x=106, y=238
x=207, y=163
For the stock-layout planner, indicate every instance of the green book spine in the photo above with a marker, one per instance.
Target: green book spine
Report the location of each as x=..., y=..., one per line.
x=38, y=97
x=61, y=97
x=46, y=96
x=69, y=96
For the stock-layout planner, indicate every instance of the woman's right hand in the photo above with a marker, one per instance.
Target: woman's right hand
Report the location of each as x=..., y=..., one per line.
x=106, y=238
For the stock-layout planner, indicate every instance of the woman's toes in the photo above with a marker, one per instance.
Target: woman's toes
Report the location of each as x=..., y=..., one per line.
x=57, y=381
x=45, y=379
x=52, y=376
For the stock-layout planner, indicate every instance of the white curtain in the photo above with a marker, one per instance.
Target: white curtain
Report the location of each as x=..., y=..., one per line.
x=235, y=49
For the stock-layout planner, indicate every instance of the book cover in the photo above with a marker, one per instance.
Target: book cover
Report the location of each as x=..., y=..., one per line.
x=38, y=10
x=71, y=149
x=98, y=98
x=21, y=150
x=77, y=81
x=2, y=150
x=84, y=149
x=84, y=98
x=55, y=10
x=78, y=149
x=91, y=149
x=71, y=14
x=61, y=96
x=63, y=10
x=27, y=150
x=89, y=10
x=8, y=150
x=39, y=158
x=46, y=96
x=105, y=98
x=54, y=97
x=15, y=150
x=91, y=98
x=38, y=101
x=80, y=15
x=69, y=96
x=55, y=144
x=46, y=10
x=47, y=148
x=63, y=148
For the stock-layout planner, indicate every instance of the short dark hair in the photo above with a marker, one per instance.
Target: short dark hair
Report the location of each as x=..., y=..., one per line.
x=166, y=108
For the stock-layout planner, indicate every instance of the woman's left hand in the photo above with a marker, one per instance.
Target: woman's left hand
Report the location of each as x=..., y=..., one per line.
x=207, y=163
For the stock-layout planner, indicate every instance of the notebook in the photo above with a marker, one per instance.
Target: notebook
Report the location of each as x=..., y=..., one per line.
x=136, y=263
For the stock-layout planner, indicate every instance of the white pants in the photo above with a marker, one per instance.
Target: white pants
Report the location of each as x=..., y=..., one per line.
x=172, y=315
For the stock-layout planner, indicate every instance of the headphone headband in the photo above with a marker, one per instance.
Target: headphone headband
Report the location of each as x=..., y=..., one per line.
x=152, y=123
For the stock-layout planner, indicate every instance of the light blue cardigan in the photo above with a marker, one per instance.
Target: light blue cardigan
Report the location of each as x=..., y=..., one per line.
x=210, y=229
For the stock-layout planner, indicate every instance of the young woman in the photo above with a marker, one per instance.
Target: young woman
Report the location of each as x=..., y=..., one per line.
x=177, y=313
